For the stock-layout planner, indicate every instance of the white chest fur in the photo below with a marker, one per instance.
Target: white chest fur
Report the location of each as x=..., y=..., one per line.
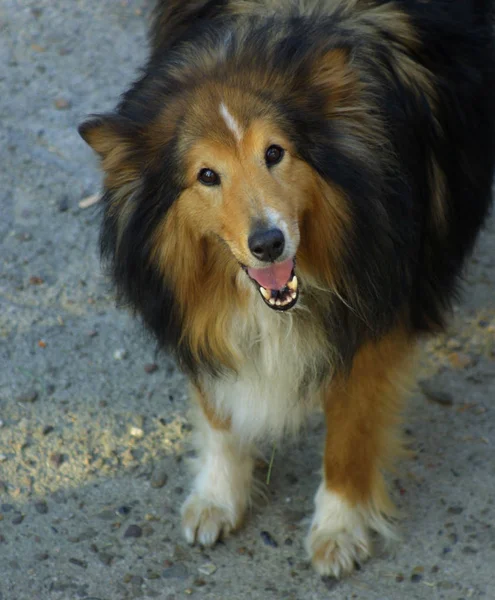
x=284, y=363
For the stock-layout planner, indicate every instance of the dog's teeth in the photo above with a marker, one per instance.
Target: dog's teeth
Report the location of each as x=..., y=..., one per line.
x=278, y=302
x=272, y=301
x=292, y=285
x=293, y=295
x=265, y=293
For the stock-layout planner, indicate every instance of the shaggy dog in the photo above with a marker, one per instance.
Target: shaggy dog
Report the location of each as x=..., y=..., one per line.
x=291, y=190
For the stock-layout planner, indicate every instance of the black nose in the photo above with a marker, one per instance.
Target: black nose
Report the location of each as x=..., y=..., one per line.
x=266, y=244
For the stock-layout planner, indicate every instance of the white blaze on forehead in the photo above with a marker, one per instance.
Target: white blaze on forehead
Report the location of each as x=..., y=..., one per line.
x=231, y=123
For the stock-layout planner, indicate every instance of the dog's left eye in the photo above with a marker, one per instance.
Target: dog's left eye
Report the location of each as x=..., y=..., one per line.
x=208, y=177
x=274, y=155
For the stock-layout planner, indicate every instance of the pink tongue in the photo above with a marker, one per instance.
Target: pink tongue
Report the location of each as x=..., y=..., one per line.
x=274, y=277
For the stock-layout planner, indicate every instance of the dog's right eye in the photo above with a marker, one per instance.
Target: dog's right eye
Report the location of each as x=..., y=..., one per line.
x=208, y=177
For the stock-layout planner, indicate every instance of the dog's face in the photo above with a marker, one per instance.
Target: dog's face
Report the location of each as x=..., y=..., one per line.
x=245, y=185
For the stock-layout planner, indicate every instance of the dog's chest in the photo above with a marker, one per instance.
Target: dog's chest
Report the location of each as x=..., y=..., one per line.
x=284, y=364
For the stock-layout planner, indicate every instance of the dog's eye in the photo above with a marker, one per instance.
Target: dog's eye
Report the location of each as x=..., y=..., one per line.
x=208, y=177
x=274, y=155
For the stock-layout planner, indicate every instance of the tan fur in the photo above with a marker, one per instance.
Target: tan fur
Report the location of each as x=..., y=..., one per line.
x=362, y=412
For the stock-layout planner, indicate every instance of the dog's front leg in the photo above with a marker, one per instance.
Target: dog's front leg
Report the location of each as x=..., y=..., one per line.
x=361, y=410
x=221, y=489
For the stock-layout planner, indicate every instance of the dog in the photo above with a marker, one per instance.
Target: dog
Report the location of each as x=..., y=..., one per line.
x=291, y=190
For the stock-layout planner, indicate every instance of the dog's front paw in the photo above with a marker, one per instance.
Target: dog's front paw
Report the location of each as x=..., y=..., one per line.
x=336, y=552
x=205, y=522
x=338, y=537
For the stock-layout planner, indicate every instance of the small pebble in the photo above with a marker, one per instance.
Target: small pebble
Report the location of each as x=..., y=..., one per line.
x=61, y=104
x=120, y=354
x=136, y=432
x=207, y=569
x=159, y=477
x=123, y=510
x=416, y=577
x=268, y=539
x=151, y=517
x=150, y=368
x=41, y=556
x=133, y=531
x=18, y=519
x=41, y=507
x=56, y=459
x=79, y=563
x=436, y=394
x=63, y=204
x=136, y=580
x=455, y=510
x=28, y=397
x=47, y=429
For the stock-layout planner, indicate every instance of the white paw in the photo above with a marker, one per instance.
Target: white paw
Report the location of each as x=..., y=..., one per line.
x=205, y=522
x=337, y=552
x=338, y=537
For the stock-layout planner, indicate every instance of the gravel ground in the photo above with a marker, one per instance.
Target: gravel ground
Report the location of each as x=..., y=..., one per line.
x=94, y=427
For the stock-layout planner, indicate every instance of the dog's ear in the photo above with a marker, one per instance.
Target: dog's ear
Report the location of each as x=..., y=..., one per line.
x=115, y=140
x=172, y=19
x=332, y=74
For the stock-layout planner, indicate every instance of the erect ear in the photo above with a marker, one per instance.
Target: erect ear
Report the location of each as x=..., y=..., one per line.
x=333, y=75
x=116, y=141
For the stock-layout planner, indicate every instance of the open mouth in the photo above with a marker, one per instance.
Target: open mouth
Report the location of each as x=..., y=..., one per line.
x=277, y=284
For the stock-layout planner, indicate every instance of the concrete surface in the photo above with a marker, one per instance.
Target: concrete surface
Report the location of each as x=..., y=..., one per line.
x=87, y=435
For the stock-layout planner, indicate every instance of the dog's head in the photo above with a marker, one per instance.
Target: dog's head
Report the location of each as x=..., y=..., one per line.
x=224, y=170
